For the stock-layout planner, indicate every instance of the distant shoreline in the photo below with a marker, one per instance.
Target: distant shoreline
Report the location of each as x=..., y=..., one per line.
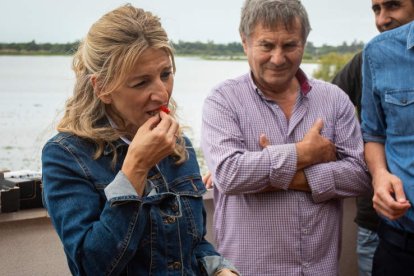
x=207, y=51
x=22, y=53
x=204, y=57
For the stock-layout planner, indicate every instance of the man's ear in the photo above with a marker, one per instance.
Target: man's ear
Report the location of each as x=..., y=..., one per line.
x=244, y=43
x=105, y=98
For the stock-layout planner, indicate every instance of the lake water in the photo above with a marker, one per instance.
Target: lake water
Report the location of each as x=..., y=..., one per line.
x=33, y=91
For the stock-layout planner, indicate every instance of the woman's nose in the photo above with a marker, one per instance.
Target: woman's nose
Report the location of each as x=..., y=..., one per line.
x=160, y=92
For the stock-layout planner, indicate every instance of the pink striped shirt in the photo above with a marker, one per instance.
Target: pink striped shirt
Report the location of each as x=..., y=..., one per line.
x=286, y=232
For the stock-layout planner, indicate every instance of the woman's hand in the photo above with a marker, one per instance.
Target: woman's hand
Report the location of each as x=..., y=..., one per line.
x=154, y=141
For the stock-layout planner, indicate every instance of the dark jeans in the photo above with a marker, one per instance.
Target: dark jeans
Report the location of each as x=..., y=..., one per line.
x=394, y=254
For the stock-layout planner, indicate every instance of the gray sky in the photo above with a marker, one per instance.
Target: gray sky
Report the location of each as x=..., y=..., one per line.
x=61, y=21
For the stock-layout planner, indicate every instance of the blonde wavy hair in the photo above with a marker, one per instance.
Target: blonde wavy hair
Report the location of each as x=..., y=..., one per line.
x=108, y=52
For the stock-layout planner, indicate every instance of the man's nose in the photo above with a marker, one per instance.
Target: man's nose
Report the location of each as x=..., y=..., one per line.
x=383, y=20
x=278, y=56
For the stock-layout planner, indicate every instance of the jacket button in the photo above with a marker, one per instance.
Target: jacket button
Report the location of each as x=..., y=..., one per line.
x=174, y=207
x=170, y=220
x=177, y=265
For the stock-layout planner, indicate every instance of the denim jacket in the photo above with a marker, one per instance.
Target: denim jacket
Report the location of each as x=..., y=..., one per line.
x=108, y=229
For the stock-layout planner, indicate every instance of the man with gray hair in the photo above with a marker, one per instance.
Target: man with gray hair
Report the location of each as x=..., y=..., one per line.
x=279, y=208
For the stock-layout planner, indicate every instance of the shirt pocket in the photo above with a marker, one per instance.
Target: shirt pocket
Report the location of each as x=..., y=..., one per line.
x=191, y=190
x=399, y=110
x=190, y=185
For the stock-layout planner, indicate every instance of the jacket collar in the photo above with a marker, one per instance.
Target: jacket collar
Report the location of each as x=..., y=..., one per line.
x=410, y=37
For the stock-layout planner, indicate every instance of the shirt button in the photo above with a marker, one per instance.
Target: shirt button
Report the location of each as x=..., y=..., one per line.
x=306, y=265
x=305, y=231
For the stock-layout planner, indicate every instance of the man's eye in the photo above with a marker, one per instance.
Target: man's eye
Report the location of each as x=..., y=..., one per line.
x=266, y=47
x=392, y=5
x=290, y=47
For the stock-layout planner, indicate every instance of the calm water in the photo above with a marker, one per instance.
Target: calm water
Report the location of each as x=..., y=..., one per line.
x=33, y=91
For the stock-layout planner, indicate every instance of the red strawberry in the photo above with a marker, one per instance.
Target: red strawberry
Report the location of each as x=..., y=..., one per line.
x=165, y=109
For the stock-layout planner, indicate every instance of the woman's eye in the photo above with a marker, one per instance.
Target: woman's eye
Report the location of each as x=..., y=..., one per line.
x=139, y=84
x=166, y=75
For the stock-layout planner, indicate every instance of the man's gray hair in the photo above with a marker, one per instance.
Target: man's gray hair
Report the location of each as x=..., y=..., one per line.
x=269, y=13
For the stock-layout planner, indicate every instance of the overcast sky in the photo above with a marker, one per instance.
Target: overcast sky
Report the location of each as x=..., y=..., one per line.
x=61, y=21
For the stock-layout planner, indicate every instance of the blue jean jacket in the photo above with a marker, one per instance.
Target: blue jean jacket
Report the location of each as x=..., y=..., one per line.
x=107, y=229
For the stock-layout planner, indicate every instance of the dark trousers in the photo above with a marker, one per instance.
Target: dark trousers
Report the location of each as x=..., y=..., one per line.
x=395, y=253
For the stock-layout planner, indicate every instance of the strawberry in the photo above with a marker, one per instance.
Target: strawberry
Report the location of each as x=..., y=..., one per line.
x=165, y=109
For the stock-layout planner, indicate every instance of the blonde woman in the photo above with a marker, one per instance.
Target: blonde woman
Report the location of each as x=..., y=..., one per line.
x=121, y=182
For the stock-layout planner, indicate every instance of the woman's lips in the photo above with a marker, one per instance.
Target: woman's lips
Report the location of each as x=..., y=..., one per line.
x=163, y=108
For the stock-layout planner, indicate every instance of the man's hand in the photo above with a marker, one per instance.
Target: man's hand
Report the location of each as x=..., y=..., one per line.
x=263, y=141
x=389, y=197
x=207, y=180
x=314, y=148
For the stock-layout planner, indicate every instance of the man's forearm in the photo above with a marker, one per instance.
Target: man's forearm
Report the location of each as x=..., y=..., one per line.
x=299, y=183
x=375, y=157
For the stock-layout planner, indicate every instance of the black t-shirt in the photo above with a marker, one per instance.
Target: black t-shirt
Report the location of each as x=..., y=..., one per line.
x=349, y=79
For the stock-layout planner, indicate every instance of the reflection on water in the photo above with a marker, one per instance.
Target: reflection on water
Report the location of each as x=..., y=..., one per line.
x=33, y=90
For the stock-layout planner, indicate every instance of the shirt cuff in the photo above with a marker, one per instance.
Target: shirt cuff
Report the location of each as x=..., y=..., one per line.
x=373, y=138
x=120, y=190
x=213, y=264
x=321, y=182
x=283, y=163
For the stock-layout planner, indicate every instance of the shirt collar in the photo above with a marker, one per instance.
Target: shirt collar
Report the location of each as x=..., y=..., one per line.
x=114, y=126
x=410, y=37
x=305, y=86
x=123, y=141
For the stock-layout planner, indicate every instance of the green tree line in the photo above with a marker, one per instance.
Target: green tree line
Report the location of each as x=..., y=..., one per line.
x=197, y=48
x=33, y=48
x=330, y=58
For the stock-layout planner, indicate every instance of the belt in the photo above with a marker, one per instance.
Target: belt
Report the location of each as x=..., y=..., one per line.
x=399, y=238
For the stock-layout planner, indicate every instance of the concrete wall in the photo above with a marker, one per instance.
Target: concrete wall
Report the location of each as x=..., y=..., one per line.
x=30, y=246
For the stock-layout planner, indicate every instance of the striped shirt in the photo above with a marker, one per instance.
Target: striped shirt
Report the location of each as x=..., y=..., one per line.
x=286, y=232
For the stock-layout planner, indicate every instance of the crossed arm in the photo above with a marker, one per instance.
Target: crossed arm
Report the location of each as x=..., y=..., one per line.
x=313, y=149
